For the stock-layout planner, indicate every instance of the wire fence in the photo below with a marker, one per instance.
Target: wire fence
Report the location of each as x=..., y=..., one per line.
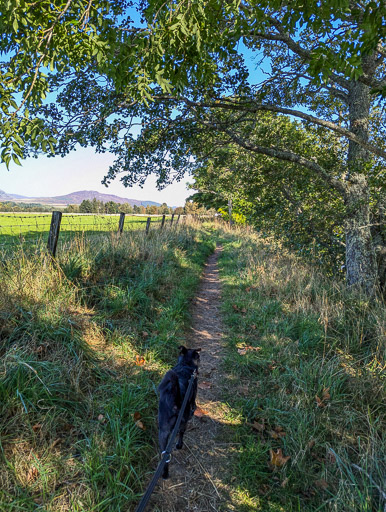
x=37, y=231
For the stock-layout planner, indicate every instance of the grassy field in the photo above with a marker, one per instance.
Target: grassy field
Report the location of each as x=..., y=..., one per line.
x=306, y=366
x=83, y=344
x=16, y=227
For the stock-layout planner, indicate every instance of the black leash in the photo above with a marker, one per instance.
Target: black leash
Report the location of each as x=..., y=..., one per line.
x=168, y=450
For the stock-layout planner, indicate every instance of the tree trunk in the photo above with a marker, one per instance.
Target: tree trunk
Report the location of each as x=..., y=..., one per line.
x=361, y=269
x=360, y=255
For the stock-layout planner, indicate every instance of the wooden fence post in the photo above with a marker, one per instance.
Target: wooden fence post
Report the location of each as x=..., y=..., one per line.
x=163, y=221
x=53, y=236
x=148, y=225
x=171, y=221
x=121, y=223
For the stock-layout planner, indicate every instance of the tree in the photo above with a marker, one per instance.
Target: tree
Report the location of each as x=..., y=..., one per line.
x=277, y=197
x=125, y=208
x=326, y=67
x=62, y=36
x=85, y=206
x=72, y=208
x=97, y=206
x=111, y=207
x=164, y=209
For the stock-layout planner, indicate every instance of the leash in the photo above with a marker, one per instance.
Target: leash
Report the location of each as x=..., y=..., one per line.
x=168, y=450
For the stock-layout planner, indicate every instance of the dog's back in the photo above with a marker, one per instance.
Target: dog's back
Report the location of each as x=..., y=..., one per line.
x=172, y=390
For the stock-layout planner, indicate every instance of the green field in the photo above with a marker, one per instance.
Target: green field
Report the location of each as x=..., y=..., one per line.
x=23, y=227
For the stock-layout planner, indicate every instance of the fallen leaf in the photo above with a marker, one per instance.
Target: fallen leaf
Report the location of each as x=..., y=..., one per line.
x=204, y=384
x=101, y=418
x=236, y=308
x=319, y=402
x=54, y=443
x=137, y=416
x=260, y=427
x=145, y=334
x=276, y=435
x=200, y=412
x=325, y=397
x=243, y=350
x=37, y=427
x=321, y=484
x=311, y=444
x=139, y=361
x=248, y=289
x=253, y=327
x=140, y=425
x=243, y=310
x=32, y=474
x=284, y=482
x=278, y=459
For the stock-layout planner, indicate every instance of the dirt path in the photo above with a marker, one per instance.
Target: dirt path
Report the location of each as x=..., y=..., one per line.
x=196, y=470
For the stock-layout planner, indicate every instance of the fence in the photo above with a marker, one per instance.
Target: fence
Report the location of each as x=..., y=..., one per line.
x=42, y=228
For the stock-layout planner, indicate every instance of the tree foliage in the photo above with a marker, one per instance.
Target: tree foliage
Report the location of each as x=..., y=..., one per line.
x=190, y=70
x=39, y=40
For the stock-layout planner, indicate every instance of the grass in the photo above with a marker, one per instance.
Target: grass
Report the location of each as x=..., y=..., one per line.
x=305, y=363
x=83, y=343
x=21, y=227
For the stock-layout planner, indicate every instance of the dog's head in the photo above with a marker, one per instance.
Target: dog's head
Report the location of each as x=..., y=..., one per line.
x=189, y=356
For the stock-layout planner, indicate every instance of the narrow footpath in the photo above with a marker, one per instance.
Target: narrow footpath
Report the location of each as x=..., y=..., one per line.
x=196, y=471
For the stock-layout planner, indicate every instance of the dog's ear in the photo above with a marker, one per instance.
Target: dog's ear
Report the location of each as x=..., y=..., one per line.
x=182, y=349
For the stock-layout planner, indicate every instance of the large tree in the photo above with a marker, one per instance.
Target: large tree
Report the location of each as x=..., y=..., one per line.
x=210, y=65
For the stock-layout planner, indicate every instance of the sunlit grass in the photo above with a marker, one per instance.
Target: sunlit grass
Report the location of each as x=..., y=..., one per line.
x=84, y=342
x=309, y=338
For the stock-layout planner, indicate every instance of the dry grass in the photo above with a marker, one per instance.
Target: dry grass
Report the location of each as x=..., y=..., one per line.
x=83, y=343
x=314, y=384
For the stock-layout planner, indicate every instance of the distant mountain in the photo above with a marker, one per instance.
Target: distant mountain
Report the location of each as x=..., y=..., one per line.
x=75, y=198
x=9, y=197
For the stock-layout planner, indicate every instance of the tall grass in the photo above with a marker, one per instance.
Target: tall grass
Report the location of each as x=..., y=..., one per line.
x=83, y=342
x=306, y=370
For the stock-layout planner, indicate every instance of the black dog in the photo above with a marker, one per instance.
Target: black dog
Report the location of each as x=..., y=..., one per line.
x=172, y=392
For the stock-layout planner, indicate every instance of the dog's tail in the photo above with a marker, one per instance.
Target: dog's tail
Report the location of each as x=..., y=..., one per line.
x=170, y=387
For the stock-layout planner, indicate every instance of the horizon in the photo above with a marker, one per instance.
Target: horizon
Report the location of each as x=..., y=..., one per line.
x=80, y=170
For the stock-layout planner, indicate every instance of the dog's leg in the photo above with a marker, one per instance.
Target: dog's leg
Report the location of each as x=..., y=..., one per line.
x=163, y=442
x=181, y=433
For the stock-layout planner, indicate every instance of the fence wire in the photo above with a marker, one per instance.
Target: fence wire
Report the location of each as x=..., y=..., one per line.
x=31, y=230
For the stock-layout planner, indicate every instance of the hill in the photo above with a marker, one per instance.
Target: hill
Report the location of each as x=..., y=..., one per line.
x=75, y=198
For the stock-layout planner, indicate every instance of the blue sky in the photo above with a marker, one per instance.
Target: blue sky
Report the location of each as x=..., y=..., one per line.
x=81, y=170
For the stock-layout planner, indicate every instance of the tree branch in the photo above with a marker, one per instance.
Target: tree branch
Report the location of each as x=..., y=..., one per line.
x=285, y=155
x=256, y=107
